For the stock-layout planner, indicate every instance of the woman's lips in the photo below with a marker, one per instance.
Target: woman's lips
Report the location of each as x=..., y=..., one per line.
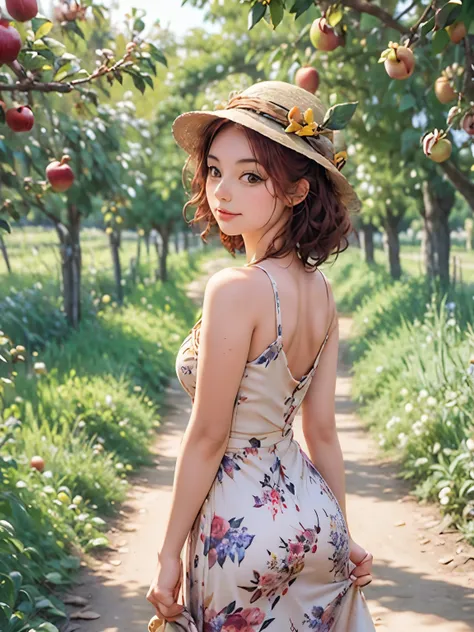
x=226, y=214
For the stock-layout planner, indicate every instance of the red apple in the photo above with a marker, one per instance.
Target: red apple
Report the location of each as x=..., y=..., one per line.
x=457, y=32
x=307, y=78
x=20, y=119
x=468, y=123
x=22, y=10
x=10, y=42
x=323, y=36
x=443, y=90
x=37, y=462
x=60, y=174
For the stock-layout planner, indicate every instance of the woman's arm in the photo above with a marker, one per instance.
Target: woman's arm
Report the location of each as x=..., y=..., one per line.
x=226, y=332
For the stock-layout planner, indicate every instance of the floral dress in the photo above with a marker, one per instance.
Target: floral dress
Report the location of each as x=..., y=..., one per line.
x=269, y=548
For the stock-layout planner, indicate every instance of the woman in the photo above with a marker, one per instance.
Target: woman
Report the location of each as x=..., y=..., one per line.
x=269, y=545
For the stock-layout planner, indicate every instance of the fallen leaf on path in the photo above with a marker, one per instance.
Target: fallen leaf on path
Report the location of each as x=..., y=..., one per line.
x=431, y=523
x=75, y=600
x=459, y=550
x=446, y=560
x=130, y=527
x=425, y=541
x=122, y=543
x=115, y=562
x=400, y=524
x=446, y=522
x=123, y=549
x=88, y=614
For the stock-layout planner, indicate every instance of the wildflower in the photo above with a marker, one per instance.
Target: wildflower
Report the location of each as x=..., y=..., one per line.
x=40, y=368
x=402, y=439
x=424, y=418
x=408, y=408
x=108, y=400
x=404, y=392
x=444, y=492
x=436, y=448
x=451, y=322
x=106, y=299
x=431, y=401
x=470, y=445
x=379, y=369
x=450, y=306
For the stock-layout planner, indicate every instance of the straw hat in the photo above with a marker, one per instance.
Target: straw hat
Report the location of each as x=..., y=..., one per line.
x=287, y=114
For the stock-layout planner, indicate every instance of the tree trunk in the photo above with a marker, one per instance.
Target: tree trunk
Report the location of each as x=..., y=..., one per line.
x=139, y=252
x=114, y=240
x=436, y=239
x=157, y=248
x=176, y=241
x=71, y=262
x=391, y=224
x=4, y=250
x=165, y=237
x=367, y=234
x=146, y=239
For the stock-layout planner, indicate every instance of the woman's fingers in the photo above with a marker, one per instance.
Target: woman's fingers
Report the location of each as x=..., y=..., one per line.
x=165, y=604
x=361, y=581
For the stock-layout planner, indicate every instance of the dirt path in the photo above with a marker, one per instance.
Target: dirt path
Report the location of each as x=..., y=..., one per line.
x=412, y=591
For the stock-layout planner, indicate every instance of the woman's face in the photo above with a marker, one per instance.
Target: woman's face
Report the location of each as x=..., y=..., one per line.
x=238, y=184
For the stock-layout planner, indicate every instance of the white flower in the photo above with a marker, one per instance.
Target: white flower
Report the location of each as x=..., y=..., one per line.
x=444, y=492
x=417, y=428
x=451, y=322
x=408, y=408
x=436, y=448
x=108, y=400
x=423, y=394
x=431, y=401
x=379, y=369
x=470, y=445
x=429, y=339
x=404, y=392
x=444, y=500
x=424, y=418
x=402, y=439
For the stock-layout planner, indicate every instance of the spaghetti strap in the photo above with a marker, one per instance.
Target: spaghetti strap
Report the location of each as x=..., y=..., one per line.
x=326, y=285
x=277, y=300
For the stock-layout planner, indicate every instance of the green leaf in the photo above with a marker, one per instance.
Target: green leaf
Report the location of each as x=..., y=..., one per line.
x=5, y=225
x=58, y=48
x=31, y=60
x=63, y=72
x=256, y=13
x=300, y=7
x=97, y=542
x=428, y=26
x=43, y=28
x=448, y=14
x=139, y=25
x=440, y=41
x=139, y=83
x=339, y=115
x=157, y=54
x=334, y=15
x=407, y=102
x=48, y=627
x=276, y=12
x=55, y=578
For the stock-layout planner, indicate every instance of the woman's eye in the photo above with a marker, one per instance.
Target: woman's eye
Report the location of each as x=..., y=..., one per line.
x=250, y=175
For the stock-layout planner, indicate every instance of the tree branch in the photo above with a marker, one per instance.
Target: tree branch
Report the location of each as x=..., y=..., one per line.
x=362, y=6
x=461, y=182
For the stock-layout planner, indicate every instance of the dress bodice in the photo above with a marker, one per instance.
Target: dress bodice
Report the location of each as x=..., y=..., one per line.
x=268, y=397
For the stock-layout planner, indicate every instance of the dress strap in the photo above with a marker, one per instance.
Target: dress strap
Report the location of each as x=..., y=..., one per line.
x=326, y=284
x=277, y=299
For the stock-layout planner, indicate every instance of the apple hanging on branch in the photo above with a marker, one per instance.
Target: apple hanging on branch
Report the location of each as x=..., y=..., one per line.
x=10, y=42
x=60, y=175
x=399, y=61
x=22, y=10
x=307, y=78
x=436, y=146
x=20, y=119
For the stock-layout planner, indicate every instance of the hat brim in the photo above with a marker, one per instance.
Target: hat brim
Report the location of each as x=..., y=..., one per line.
x=188, y=129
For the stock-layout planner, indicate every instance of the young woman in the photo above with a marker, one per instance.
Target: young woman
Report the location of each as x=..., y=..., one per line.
x=269, y=544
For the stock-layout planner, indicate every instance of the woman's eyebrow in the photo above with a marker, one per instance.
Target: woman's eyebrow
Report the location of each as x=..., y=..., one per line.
x=237, y=162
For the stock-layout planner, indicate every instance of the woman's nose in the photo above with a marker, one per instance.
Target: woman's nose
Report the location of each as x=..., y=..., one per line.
x=222, y=191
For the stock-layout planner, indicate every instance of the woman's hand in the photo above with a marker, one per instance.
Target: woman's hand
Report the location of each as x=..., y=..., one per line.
x=164, y=589
x=363, y=561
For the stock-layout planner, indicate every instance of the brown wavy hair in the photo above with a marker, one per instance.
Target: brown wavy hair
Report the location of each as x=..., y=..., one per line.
x=318, y=226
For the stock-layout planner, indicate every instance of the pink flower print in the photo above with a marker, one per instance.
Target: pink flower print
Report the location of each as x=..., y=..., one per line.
x=296, y=548
x=212, y=557
x=253, y=616
x=219, y=527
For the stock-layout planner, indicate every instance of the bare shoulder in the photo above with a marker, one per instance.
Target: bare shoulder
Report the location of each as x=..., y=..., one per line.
x=233, y=284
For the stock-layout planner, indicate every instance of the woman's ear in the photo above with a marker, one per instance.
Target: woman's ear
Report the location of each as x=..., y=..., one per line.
x=301, y=191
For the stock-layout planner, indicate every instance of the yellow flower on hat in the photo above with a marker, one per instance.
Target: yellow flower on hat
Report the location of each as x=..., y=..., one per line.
x=340, y=159
x=302, y=125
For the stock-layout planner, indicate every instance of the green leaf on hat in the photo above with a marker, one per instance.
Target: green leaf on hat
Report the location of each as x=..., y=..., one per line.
x=338, y=116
